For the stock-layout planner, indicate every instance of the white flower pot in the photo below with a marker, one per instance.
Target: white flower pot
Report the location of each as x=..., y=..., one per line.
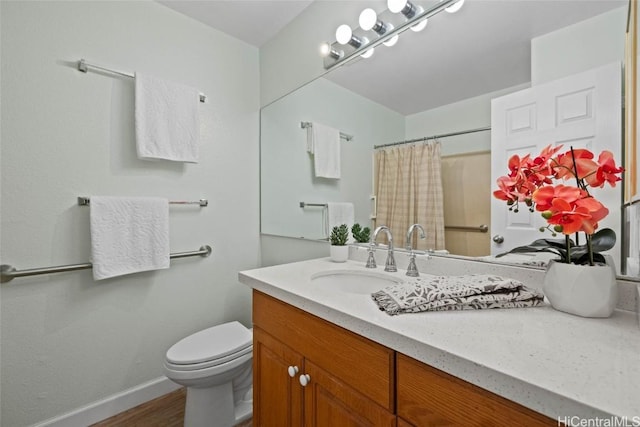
x=339, y=253
x=583, y=290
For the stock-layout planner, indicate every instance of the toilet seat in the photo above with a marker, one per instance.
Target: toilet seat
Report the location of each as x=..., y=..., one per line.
x=210, y=347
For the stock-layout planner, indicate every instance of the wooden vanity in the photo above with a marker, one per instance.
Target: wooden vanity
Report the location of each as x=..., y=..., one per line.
x=325, y=356
x=352, y=381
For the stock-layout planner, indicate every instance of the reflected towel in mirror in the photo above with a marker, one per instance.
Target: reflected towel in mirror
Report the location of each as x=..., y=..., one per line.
x=324, y=143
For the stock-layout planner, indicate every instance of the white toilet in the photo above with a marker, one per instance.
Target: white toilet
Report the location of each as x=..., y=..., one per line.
x=215, y=366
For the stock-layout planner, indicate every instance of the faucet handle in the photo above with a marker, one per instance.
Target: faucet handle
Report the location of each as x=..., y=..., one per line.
x=412, y=269
x=371, y=260
x=390, y=265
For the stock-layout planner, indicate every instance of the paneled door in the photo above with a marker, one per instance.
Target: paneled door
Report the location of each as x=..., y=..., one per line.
x=581, y=111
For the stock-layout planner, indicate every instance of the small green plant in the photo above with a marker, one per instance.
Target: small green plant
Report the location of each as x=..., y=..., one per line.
x=339, y=235
x=362, y=235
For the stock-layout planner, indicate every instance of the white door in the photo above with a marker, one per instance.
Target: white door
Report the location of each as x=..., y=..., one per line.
x=580, y=111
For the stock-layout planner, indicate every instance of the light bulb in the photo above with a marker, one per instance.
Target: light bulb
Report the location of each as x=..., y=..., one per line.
x=325, y=49
x=419, y=26
x=396, y=6
x=393, y=40
x=367, y=53
x=454, y=7
x=368, y=19
x=343, y=34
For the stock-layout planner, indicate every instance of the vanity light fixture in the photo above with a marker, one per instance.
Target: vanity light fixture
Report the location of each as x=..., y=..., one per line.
x=369, y=21
x=401, y=15
x=405, y=7
x=344, y=35
x=420, y=25
x=326, y=50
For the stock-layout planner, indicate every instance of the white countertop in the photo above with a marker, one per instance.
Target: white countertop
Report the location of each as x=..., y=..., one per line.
x=555, y=363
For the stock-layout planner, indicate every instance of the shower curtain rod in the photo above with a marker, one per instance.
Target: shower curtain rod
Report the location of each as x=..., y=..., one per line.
x=426, y=138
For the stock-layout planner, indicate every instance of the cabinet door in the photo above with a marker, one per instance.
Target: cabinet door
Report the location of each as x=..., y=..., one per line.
x=429, y=397
x=277, y=397
x=329, y=402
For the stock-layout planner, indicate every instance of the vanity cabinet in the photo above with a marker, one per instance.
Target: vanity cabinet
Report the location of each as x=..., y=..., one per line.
x=429, y=397
x=309, y=372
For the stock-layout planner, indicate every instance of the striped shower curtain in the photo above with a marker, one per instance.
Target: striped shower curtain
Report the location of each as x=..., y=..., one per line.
x=408, y=187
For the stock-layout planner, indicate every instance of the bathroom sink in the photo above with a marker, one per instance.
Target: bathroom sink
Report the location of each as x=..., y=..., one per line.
x=353, y=282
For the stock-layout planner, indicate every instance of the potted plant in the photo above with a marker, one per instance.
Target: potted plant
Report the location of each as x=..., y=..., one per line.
x=339, y=250
x=360, y=235
x=579, y=281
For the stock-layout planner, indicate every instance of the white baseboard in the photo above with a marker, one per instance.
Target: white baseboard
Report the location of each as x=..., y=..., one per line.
x=112, y=405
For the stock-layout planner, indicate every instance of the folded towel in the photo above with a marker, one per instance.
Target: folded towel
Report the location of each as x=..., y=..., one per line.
x=338, y=214
x=128, y=235
x=166, y=119
x=324, y=143
x=438, y=293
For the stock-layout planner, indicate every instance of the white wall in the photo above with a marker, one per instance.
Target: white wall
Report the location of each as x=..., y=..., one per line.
x=287, y=170
x=579, y=47
x=472, y=113
x=68, y=341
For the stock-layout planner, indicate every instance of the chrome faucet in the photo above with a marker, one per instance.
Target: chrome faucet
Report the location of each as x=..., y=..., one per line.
x=390, y=264
x=412, y=270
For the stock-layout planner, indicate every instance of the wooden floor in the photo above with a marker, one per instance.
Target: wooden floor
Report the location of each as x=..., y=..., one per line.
x=165, y=411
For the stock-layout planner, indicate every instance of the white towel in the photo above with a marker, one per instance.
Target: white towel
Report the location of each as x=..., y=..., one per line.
x=167, y=120
x=338, y=214
x=324, y=143
x=128, y=235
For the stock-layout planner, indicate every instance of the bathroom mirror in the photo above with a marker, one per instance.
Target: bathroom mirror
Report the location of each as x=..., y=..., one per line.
x=379, y=100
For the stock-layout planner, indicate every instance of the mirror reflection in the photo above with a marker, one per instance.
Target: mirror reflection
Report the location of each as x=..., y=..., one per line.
x=434, y=86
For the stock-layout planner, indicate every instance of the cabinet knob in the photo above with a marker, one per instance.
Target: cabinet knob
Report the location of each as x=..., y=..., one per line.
x=292, y=370
x=498, y=239
x=305, y=379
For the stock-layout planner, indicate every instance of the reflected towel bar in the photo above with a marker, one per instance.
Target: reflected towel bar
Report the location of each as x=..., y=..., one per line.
x=344, y=136
x=479, y=229
x=84, y=67
x=86, y=201
x=8, y=273
x=319, y=205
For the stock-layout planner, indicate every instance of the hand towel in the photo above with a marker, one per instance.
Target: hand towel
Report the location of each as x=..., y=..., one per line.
x=128, y=235
x=166, y=119
x=439, y=293
x=338, y=214
x=324, y=143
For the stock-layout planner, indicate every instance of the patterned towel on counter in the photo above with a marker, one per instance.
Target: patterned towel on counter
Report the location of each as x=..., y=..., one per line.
x=440, y=293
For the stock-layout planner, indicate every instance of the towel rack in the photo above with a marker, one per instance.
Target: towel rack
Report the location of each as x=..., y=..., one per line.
x=482, y=228
x=85, y=201
x=84, y=67
x=321, y=205
x=8, y=272
x=344, y=136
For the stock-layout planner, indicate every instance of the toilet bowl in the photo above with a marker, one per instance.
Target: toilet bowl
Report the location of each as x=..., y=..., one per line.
x=215, y=365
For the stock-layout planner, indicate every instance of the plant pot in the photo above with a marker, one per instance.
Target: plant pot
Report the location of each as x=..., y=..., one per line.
x=339, y=253
x=583, y=290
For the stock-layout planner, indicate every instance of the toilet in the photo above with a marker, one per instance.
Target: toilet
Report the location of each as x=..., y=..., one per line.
x=215, y=365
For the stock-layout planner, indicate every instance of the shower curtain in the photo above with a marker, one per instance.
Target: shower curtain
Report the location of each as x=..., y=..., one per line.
x=408, y=187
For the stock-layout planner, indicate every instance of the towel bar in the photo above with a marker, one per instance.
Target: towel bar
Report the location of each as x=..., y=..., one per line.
x=482, y=228
x=8, y=272
x=86, y=201
x=344, y=136
x=320, y=205
x=84, y=67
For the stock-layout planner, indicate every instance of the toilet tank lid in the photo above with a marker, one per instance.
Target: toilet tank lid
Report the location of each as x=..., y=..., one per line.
x=209, y=344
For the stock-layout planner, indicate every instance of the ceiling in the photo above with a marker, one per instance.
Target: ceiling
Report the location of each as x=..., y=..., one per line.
x=484, y=47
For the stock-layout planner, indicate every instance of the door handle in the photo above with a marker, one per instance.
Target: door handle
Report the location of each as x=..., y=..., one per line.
x=498, y=238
